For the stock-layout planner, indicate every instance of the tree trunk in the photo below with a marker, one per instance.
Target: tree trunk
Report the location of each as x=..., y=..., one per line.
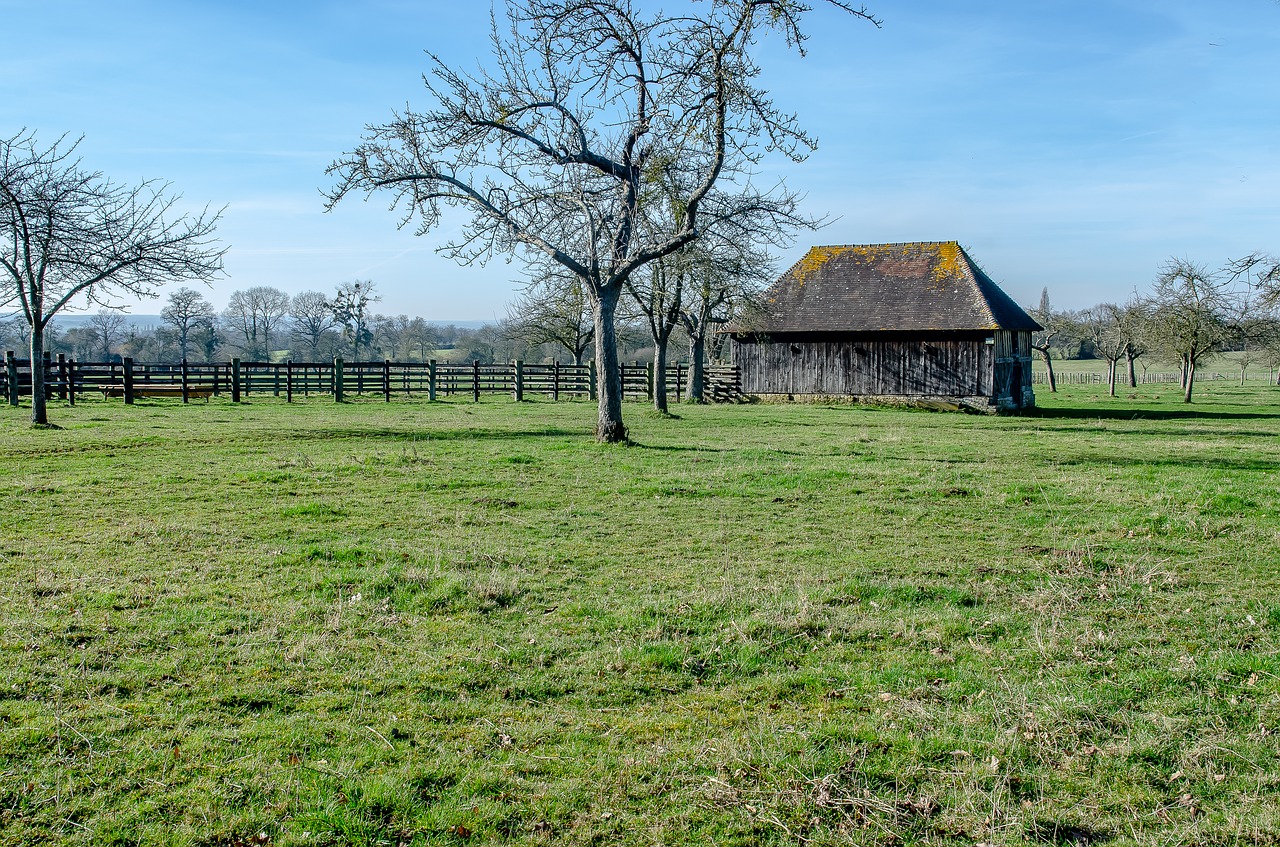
x=660, y=372
x=1133, y=377
x=1191, y=379
x=697, y=352
x=39, y=406
x=609, y=426
x=1048, y=366
x=1111, y=377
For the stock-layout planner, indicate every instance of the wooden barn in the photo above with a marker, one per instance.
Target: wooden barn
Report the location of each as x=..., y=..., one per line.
x=914, y=322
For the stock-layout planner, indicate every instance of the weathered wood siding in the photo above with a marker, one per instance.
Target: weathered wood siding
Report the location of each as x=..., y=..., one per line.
x=1012, y=370
x=929, y=367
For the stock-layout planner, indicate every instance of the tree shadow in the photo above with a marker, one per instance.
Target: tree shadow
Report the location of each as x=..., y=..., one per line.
x=1131, y=414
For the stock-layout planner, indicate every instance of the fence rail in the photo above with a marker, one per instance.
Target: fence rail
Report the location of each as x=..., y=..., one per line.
x=67, y=379
x=1092, y=378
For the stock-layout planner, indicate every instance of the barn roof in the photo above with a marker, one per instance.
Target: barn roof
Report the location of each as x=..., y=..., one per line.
x=917, y=286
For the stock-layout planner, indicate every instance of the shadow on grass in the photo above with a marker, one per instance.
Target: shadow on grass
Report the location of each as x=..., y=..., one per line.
x=478, y=434
x=1131, y=414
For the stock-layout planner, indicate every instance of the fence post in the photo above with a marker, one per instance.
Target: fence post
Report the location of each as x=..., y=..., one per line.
x=519, y=381
x=555, y=382
x=275, y=388
x=431, y=381
x=62, y=376
x=475, y=380
x=11, y=376
x=386, y=380
x=650, y=384
x=186, y=384
x=235, y=380
x=338, y=378
x=288, y=381
x=128, y=380
x=71, y=381
x=591, y=380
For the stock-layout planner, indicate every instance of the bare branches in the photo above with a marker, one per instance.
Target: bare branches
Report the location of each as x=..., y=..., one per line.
x=67, y=234
x=600, y=138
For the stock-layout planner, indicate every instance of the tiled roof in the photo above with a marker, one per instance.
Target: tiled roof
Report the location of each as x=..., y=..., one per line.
x=917, y=286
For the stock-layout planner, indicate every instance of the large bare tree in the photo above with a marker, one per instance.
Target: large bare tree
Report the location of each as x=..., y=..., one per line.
x=70, y=234
x=552, y=150
x=255, y=315
x=186, y=312
x=312, y=319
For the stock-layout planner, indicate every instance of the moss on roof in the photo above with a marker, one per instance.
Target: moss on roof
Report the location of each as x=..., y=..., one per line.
x=913, y=286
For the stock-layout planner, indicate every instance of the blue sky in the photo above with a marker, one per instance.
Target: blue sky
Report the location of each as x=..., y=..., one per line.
x=1068, y=145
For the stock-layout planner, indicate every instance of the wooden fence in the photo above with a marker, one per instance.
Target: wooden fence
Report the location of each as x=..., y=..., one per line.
x=1091, y=378
x=68, y=380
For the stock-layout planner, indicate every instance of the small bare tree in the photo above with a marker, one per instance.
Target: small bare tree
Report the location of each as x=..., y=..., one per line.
x=109, y=326
x=555, y=150
x=553, y=309
x=1102, y=326
x=70, y=234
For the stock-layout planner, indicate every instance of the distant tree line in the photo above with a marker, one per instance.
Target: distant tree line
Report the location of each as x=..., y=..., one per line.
x=1191, y=313
x=263, y=323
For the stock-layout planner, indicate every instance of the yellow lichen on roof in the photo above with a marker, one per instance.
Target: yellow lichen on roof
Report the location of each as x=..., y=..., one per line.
x=815, y=259
x=950, y=263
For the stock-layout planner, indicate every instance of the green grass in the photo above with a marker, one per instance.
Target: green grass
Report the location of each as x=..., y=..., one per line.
x=450, y=623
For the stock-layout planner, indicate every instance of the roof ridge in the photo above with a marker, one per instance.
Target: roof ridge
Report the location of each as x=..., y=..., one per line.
x=885, y=244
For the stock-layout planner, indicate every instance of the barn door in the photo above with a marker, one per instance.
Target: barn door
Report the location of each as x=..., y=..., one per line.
x=1015, y=385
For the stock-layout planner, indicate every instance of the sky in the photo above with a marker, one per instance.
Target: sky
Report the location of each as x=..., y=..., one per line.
x=1068, y=146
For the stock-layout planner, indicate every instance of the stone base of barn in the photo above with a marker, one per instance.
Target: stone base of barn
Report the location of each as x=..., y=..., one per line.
x=981, y=405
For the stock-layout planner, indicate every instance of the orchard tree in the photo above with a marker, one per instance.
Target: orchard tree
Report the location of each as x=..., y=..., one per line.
x=555, y=149
x=1189, y=315
x=724, y=279
x=69, y=234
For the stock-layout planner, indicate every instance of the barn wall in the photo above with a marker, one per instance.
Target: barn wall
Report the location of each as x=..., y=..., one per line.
x=1012, y=369
x=931, y=367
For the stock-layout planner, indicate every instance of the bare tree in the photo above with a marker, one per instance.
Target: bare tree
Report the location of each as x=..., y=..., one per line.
x=724, y=278
x=72, y=234
x=312, y=317
x=255, y=314
x=420, y=339
x=658, y=291
x=186, y=311
x=1189, y=308
x=1135, y=327
x=109, y=326
x=1056, y=326
x=1103, y=327
x=351, y=312
x=553, y=309
x=589, y=102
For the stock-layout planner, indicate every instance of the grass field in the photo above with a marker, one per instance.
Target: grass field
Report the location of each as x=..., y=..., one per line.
x=451, y=623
